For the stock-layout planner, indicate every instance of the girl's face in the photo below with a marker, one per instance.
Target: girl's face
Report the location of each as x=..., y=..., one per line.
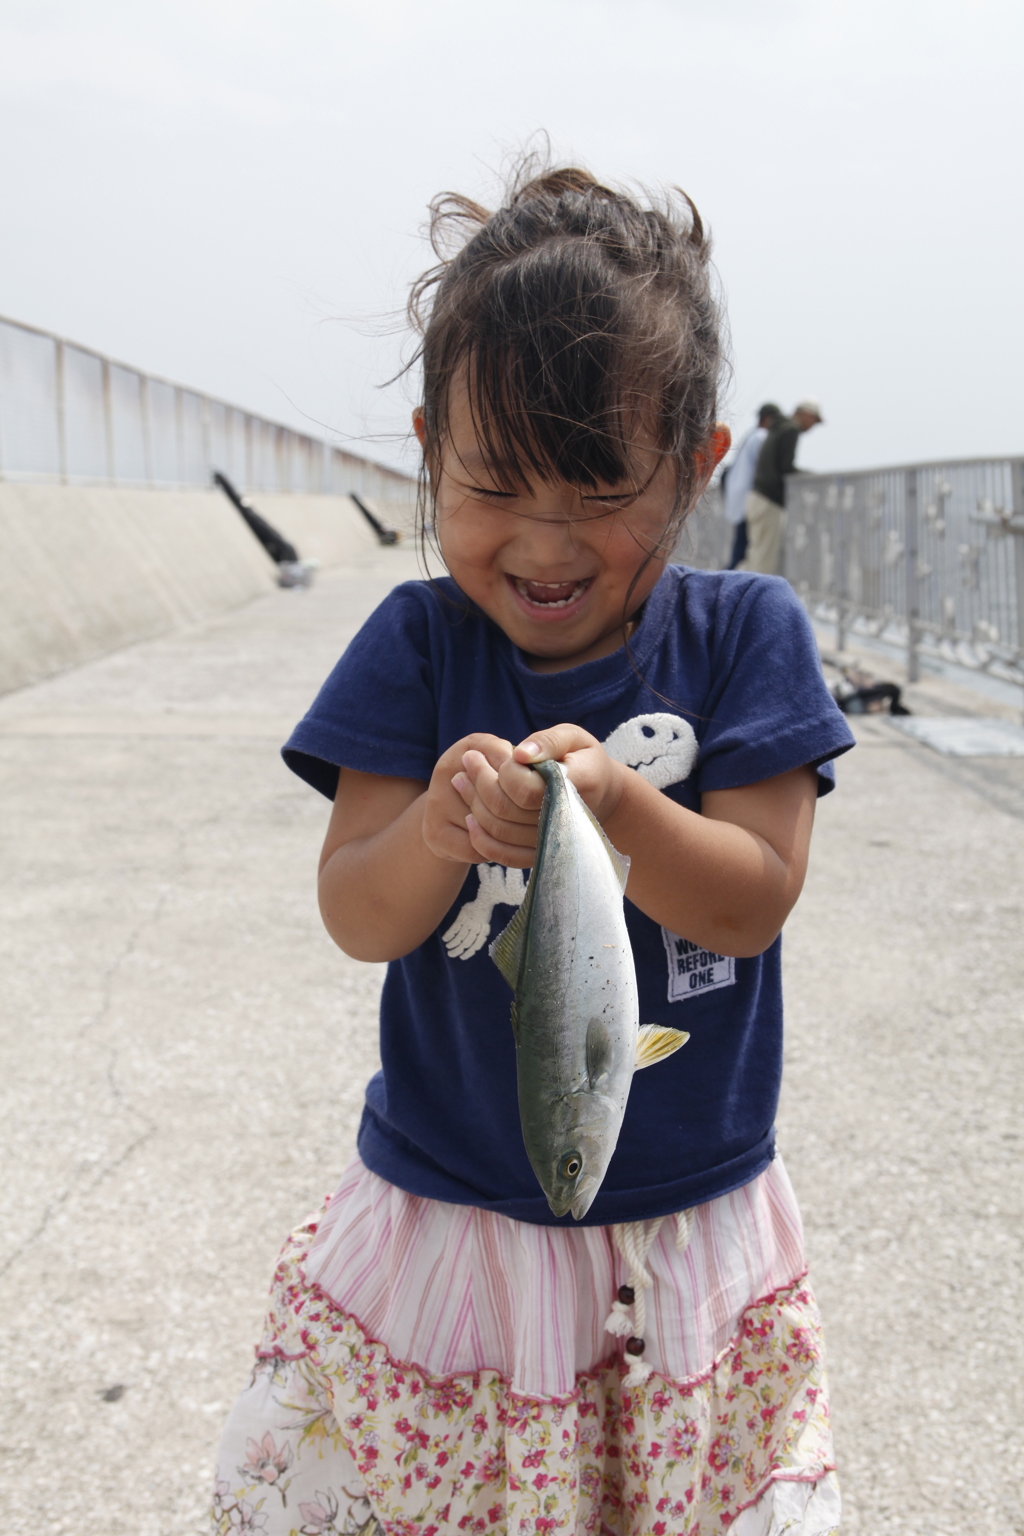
x=552, y=565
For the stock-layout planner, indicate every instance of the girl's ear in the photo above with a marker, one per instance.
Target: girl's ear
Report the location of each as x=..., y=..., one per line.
x=419, y=426
x=721, y=442
x=707, y=458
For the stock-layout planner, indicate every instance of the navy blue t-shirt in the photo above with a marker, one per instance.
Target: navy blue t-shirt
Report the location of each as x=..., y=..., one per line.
x=722, y=687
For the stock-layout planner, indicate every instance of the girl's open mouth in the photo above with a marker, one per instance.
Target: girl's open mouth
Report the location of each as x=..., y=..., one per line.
x=550, y=596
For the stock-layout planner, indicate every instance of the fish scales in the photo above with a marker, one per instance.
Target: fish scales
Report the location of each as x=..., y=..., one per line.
x=568, y=958
x=577, y=951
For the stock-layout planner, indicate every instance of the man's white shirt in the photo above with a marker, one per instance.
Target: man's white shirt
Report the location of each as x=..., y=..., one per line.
x=740, y=479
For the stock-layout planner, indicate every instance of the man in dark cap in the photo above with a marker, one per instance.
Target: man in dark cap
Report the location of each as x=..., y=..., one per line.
x=766, y=503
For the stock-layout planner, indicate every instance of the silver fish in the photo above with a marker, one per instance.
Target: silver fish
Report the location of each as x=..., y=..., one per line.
x=566, y=954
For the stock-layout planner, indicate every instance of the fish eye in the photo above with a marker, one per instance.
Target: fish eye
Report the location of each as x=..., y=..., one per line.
x=570, y=1165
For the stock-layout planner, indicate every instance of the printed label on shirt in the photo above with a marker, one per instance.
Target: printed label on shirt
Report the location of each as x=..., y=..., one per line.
x=693, y=971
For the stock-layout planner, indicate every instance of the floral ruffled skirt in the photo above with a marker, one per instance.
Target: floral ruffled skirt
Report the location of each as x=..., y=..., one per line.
x=428, y=1368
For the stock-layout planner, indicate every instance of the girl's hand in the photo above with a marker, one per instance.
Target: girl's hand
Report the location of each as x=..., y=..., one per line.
x=504, y=797
x=444, y=812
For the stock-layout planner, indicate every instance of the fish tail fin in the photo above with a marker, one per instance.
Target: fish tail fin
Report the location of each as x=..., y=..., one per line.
x=550, y=771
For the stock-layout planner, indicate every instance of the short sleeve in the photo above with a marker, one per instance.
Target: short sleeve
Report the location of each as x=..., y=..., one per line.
x=376, y=711
x=769, y=710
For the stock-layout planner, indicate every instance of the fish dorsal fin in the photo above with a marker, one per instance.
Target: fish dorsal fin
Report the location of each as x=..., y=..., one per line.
x=507, y=949
x=619, y=861
x=598, y=1051
x=655, y=1042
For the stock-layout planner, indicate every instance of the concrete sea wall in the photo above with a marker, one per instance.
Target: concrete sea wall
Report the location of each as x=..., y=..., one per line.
x=85, y=570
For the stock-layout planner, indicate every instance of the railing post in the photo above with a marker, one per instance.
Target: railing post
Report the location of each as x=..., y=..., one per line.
x=179, y=431
x=108, y=419
x=910, y=519
x=841, y=566
x=204, y=418
x=1017, y=534
x=62, y=443
x=147, y=442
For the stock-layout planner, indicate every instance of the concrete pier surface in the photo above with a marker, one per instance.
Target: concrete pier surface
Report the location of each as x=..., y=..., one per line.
x=184, y=1053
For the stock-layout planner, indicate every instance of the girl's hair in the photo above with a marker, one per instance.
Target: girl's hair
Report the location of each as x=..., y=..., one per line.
x=575, y=316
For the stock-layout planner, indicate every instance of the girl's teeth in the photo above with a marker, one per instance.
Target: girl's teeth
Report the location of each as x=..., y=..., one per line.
x=550, y=594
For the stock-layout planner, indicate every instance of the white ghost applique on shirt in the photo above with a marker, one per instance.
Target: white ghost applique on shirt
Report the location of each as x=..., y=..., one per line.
x=662, y=748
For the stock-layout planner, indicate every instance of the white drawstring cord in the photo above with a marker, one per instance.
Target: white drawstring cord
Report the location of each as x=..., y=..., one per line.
x=634, y=1241
x=684, y=1229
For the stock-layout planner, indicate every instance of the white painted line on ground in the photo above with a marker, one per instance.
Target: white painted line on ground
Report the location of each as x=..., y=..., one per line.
x=964, y=737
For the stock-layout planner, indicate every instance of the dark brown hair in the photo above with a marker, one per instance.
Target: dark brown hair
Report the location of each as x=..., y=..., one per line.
x=576, y=316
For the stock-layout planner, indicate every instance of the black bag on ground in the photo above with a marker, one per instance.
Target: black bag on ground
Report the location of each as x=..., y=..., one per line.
x=856, y=698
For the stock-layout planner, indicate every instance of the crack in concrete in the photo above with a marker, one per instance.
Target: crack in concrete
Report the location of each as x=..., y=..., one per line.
x=76, y=1187
x=79, y=1184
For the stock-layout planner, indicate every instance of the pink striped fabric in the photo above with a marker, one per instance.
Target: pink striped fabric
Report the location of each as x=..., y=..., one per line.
x=453, y=1288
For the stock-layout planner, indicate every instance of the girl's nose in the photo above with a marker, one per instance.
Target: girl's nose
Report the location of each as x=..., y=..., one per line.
x=551, y=535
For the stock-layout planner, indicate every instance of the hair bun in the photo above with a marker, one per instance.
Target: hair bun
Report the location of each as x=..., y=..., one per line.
x=556, y=183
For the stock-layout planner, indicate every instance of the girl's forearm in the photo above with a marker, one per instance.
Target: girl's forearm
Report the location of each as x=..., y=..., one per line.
x=716, y=883
x=382, y=895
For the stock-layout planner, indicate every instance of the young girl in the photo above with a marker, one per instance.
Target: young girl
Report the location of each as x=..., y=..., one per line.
x=441, y=1353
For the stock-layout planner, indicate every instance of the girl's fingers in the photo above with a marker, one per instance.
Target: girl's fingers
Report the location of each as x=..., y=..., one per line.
x=497, y=816
x=451, y=841
x=491, y=810
x=553, y=744
x=523, y=788
x=487, y=788
x=493, y=749
x=494, y=850
x=463, y=786
x=496, y=750
x=517, y=834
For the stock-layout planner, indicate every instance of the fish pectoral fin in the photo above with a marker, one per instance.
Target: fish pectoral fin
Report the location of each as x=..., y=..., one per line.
x=655, y=1042
x=598, y=1051
x=507, y=949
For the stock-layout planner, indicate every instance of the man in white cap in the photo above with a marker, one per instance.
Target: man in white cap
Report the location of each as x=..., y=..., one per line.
x=767, y=501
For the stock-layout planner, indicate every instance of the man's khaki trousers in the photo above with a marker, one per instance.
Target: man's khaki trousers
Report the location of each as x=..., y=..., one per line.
x=765, y=523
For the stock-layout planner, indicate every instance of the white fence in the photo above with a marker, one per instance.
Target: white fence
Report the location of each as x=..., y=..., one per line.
x=706, y=539
x=70, y=415
x=930, y=556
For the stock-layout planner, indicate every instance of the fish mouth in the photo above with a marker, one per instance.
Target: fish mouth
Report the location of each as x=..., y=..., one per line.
x=583, y=1199
x=578, y=1202
x=553, y=598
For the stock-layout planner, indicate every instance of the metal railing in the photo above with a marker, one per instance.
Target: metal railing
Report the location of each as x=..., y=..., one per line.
x=927, y=556
x=72, y=416
x=707, y=535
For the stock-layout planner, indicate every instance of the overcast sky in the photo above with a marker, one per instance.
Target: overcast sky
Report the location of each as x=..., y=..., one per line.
x=231, y=192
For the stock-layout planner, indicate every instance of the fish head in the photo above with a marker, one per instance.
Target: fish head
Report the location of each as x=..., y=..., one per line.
x=573, y=1159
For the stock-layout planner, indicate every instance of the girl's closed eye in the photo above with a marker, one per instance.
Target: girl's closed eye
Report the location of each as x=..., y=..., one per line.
x=590, y=508
x=612, y=503
x=486, y=493
x=592, y=502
